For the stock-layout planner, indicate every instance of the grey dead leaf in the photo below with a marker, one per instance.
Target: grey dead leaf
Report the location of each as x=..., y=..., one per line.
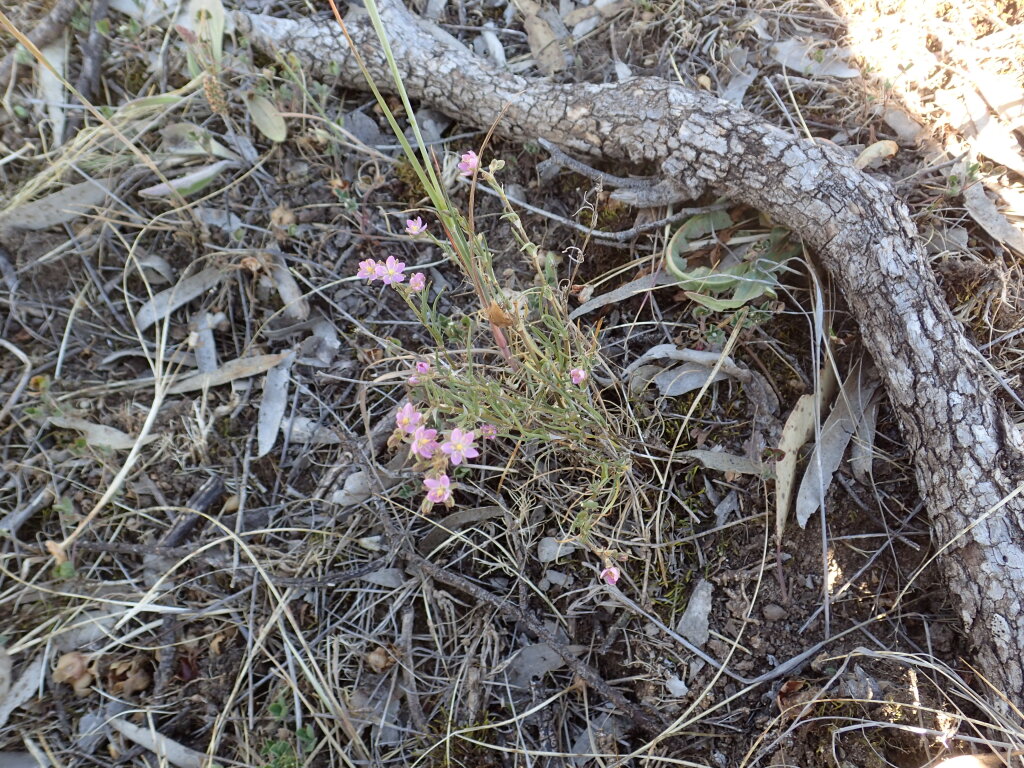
x=220, y=219
x=356, y=490
x=724, y=508
x=811, y=60
x=986, y=134
x=835, y=436
x=720, y=461
x=302, y=429
x=550, y=549
x=392, y=578
x=862, y=452
x=273, y=404
x=688, y=377
x=640, y=285
x=21, y=760
x=798, y=430
x=99, y=435
x=146, y=12
x=242, y=368
x=495, y=50
x=167, y=301
x=59, y=208
x=23, y=688
x=541, y=38
x=907, y=128
x=204, y=345
x=190, y=183
x=738, y=85
x=676, y=687
x=295, y=307
x=694, y=623
x=188, y=140
x=267, y=117
x=599, y=731
x=793, y=438
x=164, y=748
x=875, y=153
x=156, y=269
x=984, y=211
x=533, y=661
x=51, y=87
x=5, y=673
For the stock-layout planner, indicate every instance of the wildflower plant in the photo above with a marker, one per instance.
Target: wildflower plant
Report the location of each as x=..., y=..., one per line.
x=516, y=371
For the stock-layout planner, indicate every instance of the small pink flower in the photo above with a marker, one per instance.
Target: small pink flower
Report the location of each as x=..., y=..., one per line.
x=488, y=431
x=390, y=271
x=439, y=491
x=459, y=446
x=423, y=442
x=415, y=226
x=368, y=270
x=422, y=367
x=578, y=375
x=418, y=281
x=610, y=575
x=413, y=380
x=408, y=418
x=470, y=162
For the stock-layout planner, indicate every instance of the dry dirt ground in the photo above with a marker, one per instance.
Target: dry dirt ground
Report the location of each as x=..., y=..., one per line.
x=230, y=593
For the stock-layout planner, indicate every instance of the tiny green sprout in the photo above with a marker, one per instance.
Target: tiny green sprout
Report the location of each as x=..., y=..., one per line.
x=64, y=506
x=64, y=571
x=278, y=709
x=20, y=111
x=307, y=738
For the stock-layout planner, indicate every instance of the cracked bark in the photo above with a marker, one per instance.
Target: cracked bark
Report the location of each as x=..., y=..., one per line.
x=967, y=454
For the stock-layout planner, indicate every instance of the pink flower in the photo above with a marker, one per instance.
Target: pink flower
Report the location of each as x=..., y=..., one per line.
x=459, y=446
x=418, y=281
x=610, y=575
x=408, y=418
x=423, y=442
x=439, y=491
x=368, y=270
x=488, y=431
x=578, y=375
x=422, y=367
x=390, y=271
x=470, y=162
x=415, y=226
x=413, y=380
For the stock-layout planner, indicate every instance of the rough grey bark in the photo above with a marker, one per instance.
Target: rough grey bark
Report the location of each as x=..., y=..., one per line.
x=967, y=454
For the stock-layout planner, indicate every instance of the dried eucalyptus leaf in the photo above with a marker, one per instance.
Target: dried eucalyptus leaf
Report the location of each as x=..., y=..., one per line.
x=166, y=302
x=59, y=208
x=272, y=407
x=99, y=435
x=242, y=368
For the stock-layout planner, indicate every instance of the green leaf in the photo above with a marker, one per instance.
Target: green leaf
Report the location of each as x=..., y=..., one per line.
x=267, y=117
x=188, y=184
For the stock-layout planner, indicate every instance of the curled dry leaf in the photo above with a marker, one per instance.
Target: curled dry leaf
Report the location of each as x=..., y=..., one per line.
x=380, y=659
x=75, y=669
x=129, y=676
x=875, y=153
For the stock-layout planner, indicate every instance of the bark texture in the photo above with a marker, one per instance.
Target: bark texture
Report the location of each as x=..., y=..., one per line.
x=967, y=453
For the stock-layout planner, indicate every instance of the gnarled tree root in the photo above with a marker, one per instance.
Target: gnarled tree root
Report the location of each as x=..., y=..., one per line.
x=967, y=453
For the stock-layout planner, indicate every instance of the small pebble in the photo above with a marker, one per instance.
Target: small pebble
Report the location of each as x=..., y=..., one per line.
x=773, y=612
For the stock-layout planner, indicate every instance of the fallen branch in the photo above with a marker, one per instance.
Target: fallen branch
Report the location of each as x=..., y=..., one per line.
x=967, y=454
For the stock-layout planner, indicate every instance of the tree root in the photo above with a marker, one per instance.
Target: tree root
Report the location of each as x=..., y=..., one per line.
x=967, y=454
